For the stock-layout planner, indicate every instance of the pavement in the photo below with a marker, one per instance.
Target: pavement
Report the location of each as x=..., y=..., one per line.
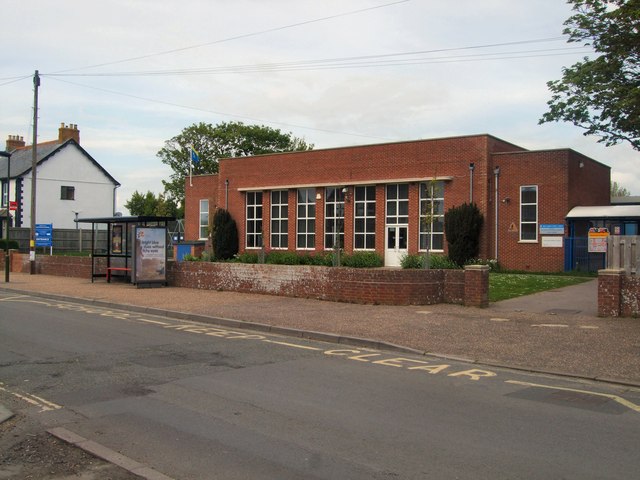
x=555, y=332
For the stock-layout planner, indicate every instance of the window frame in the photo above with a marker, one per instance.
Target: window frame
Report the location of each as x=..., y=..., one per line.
x=364, y=200
x=67, y=192
x=309, y=221
x=431, y=200
x=200, y=217
x=397, y=201
x=254, y=216
x=281, y=234
x=334, y=223
x=529, y=222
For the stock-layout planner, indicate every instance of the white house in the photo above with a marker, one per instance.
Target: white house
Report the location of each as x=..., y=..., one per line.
x=69, y=181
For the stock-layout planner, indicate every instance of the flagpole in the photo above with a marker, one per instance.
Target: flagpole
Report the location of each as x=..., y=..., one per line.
x=190, y=169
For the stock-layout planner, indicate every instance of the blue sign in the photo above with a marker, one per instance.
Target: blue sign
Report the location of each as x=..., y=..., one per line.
x=44, y=234
x=552, y=229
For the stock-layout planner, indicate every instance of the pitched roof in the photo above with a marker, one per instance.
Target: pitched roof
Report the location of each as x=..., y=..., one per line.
x=21, y=158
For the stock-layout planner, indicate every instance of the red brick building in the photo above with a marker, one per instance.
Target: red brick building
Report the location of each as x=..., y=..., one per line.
x=374, y=198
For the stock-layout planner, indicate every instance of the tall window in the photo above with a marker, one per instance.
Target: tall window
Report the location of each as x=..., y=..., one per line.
x=254, y=219
x=306, y=236
x=67, y=193
x=365, y=218
x=334, y=217
x=5, y=200
x=398, y=204
x=432, y=216
x=529, y=213
x=279, y=219
x=204, y=219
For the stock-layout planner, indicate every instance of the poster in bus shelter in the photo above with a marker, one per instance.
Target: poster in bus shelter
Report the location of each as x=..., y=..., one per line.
x=150, y=262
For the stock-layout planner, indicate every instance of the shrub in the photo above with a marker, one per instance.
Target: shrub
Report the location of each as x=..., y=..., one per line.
x=462, y=225
x=412, y=261
x=13, y=244
x=362, y=260
x=283, y=258
x=247, y=257
x=436, y=262
x=190, y=258
x=224, y=235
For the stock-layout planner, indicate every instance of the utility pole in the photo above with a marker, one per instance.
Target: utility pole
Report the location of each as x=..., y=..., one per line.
x=34, y=164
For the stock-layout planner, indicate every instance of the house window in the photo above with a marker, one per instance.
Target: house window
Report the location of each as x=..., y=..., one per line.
x=279, y=219
x=67, y=193
x=365, y=218
x=306, y=236
x=432, y=216
x=529, y=213
x=398, y=204
x=254, y=219
x=5, y=200
x=203, y=230
x=334, y=218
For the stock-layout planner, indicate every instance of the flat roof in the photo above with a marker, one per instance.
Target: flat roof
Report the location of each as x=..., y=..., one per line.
x=606, y=211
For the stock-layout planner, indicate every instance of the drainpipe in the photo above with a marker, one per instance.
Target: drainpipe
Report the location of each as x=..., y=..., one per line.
x=496, y=173
x=472, y=167
x=226, y=194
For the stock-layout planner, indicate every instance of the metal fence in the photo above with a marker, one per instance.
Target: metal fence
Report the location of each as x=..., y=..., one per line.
x=64, y=240
x=623, y=252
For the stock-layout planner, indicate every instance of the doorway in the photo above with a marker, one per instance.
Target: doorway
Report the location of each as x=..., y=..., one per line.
x=396, y=245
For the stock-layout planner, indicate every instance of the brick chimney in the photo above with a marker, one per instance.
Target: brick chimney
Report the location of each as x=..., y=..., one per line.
x=13, y=142
x=67, y=132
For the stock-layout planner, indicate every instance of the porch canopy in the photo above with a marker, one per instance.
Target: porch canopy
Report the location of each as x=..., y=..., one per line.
x=619, y=219
x=118, y=249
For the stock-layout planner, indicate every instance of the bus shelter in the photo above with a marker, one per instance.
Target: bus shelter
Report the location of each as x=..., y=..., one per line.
x=133, y=247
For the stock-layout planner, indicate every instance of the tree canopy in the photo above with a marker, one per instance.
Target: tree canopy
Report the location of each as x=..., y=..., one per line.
x=150, y=205
x=618, y=190
x=602, y=95
x=224, y=140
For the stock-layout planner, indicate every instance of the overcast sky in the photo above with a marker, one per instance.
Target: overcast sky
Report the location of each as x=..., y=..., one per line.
x=133, y=74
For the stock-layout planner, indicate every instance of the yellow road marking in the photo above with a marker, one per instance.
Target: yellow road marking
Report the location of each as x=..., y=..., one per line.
x=31, y=399
x=551, y=325
x=12, y=298
x=146, y=320
x=615, y=398
x=304, y=347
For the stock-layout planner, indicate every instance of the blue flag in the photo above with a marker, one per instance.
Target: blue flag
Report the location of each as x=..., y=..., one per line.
x=195, y=158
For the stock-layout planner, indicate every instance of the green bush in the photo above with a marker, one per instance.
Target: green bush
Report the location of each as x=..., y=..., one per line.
x=13, y=244
x=246, y=257
x=283, y=258
x=462, y=225
x=224, y=235
x=190, y=258
x=362, y=260
x=436, y=262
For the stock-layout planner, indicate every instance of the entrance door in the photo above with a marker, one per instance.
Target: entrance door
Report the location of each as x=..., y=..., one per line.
x=396, y=245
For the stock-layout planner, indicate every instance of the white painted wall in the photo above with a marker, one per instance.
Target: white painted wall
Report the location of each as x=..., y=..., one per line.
x=94, y=191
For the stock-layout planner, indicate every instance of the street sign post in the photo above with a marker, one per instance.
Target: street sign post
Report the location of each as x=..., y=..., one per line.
x=44, y=236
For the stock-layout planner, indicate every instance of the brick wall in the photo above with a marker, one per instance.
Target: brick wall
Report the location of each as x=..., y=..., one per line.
x=200, y=187
x=368, y=286
x=618, y=294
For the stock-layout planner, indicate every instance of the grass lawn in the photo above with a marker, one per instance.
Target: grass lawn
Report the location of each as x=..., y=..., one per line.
x=509, y=285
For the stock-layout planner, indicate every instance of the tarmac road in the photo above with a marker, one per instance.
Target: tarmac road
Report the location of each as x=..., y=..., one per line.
x=194, y=400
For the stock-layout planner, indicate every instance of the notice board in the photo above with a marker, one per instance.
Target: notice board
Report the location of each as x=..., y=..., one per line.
x=150, y=262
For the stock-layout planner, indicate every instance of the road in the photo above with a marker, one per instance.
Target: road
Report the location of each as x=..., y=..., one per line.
x=196, y=401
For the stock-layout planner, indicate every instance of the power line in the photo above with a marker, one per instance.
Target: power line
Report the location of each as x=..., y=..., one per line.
x=342, y=63
x=237, y=37
x=244, y=117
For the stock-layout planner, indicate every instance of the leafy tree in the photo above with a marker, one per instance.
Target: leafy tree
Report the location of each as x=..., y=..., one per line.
x=227, y=139
x=462, y=225
x=619, y=191
x=224, y=235
x=602, y=95
x=150, y=205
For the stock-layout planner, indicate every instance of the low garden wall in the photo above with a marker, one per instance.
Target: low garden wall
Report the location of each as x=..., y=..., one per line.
x=354, y=285
x=618, y=294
